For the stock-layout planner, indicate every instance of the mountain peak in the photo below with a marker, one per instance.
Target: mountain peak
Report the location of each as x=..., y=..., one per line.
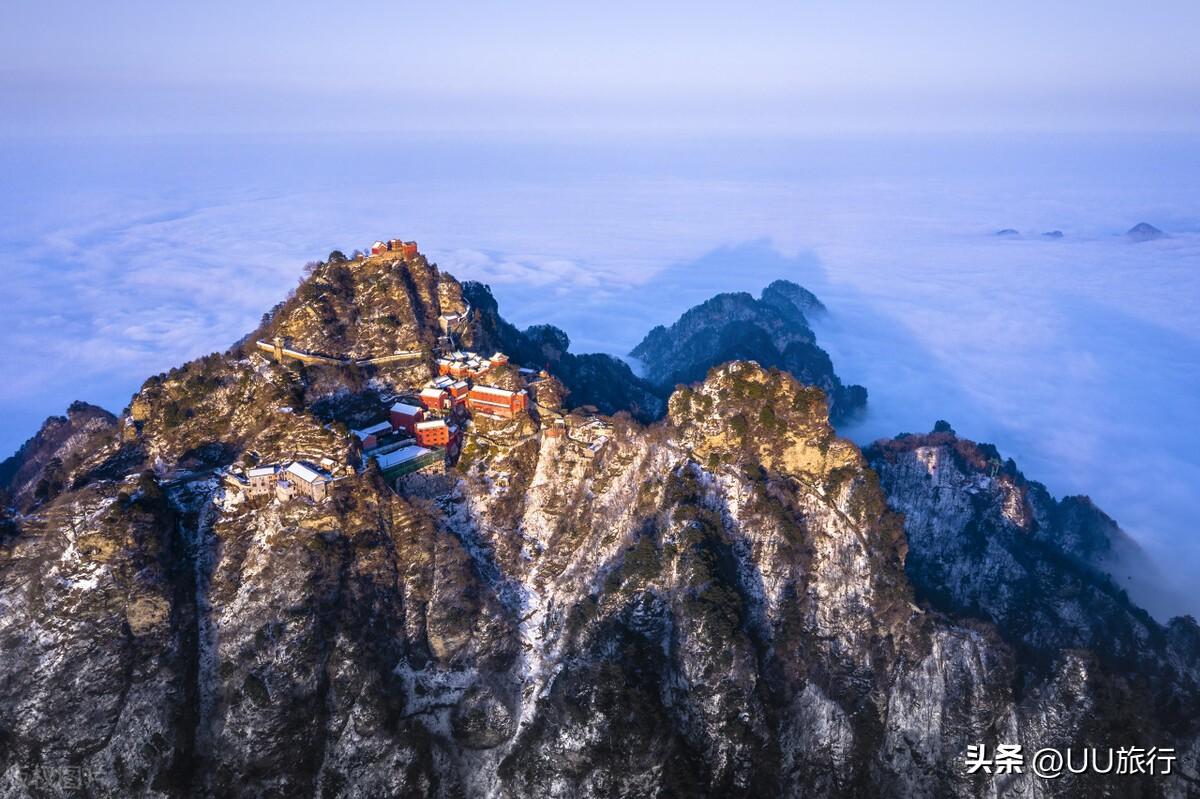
x=1144, y=231
x=1036, y=567
x=745, y=413
x=773, y=330
x=794, y=294
x=48, y=462
x=368, y=307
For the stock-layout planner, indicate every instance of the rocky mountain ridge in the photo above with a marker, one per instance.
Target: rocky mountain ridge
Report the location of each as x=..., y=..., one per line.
x=731, y=601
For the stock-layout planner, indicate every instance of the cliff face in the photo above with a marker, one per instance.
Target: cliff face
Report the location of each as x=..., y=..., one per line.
x=772, y=330
x=986, y=543
x=96, y=624
x=713, y=605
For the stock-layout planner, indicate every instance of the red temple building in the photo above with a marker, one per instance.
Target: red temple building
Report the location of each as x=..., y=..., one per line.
x=405, y=416
x=435, y=399
x=433, y=433
x=497, y=401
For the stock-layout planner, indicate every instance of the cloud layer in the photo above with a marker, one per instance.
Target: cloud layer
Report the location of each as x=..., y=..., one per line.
x=1079, y=357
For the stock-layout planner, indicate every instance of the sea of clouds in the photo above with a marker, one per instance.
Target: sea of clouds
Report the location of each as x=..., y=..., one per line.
x=1079, y=357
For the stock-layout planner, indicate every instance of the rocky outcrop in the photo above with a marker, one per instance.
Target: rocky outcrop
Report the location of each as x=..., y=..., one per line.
x=772, y=330
x=61, y=453
x=789, y=297
x=986, y=543
x=367, y=309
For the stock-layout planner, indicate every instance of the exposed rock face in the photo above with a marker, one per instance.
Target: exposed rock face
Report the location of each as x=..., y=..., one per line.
x=58, y=454
x=986, y=543
x=772, y=330
x=713, y=605
x=1144, y=231
x=211, y=410
x=96, y=628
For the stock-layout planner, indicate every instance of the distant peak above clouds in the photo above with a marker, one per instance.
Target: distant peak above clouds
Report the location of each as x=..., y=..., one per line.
x=1144, y=231
x=772, y=330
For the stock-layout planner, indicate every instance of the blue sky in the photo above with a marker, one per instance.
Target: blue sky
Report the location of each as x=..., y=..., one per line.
x=141, y=66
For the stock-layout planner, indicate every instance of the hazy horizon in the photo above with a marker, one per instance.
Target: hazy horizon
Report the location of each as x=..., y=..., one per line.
x=924, y=66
